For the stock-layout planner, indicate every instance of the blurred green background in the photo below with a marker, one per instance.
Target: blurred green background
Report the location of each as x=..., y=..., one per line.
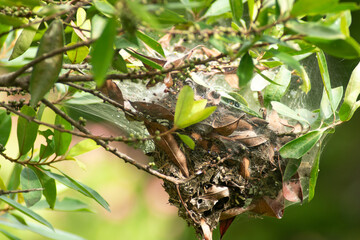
x=140, y=210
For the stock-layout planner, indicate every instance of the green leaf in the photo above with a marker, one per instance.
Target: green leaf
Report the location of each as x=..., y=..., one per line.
x=189, y=112
x=245, y=70
x=11, y=21
x=45, y=73
x=5, y=127
x=309, y=7
x=104, y=7
x=316, y=30
x=325, y=77
x=218, y=7
x=62, y=140
x=55, y=234
x=77, y=55
x=252, y=8
x=275, y=92
x=352, y=92
x=285, y=6
x=314, y=175
x=14, y=180
x=187, y=140
x=151, y=42
x=288, y=112
x=287, y=59
x=24, y=41
x=170, y=17
x=82, y=147
x=237, y=10
x=103, y=52
x=343, y=48
x=49, y=186
x=306, y=85
x=239, y=98
x=80, y=16
x=71, y=205
x=26, y=131
x=184, y=104
x=239, y=106
x=20, y=3
x=144, y=60
x=29, y=180
x=80, y=187
x=26, y=211
x=301, y=145
x=119, y=63
x=291, y=168
x=325, y=105
x=9, y=235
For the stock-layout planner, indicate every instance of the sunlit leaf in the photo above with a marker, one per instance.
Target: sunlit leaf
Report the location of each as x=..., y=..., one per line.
x=45, y=73
x=352, y=92
x=29, y=180
x=20, y=3
x=28, y=212
x=71, y=205
x=150, y=42
x=80, y=16
x=62, y=140
x=218, y=7
x=285, y=6
x=103, y=52
x=245, y=70
x=82, y=147
x=187, y=140
x=104, y=7
x=77, y=55
x=26, y=130
x=5, y=127
x=24, y=41
x=301, y=145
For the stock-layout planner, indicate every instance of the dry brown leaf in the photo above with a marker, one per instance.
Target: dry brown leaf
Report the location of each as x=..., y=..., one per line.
x=216, y=192
x=168, y=80
x=227, y=125
x=112, y=90
x=244, y=168
x=270, y=207
x=292, y=189
x=165, y=40
x=232, y=80
x=207, y=233
x=169, y=145
x=244, y=125
x=153, y=110
x=224, y=226
x=211, y=52
x=249, y=138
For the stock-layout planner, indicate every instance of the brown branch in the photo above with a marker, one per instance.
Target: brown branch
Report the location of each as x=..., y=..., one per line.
x=111, y=149
x=2, y=192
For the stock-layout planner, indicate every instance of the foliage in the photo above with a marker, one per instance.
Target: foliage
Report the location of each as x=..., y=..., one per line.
x=82, y=60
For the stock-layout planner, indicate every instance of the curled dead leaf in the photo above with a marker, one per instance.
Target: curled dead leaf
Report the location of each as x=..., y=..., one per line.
x=153, y=110
x=249, y=138
x=270, y=207
x=227, y=125
x=224, y=226
x=244, y=125
x=244, y=168
x=169, y=145
x=292, y=189
x=111, y=90
x=207, y=232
